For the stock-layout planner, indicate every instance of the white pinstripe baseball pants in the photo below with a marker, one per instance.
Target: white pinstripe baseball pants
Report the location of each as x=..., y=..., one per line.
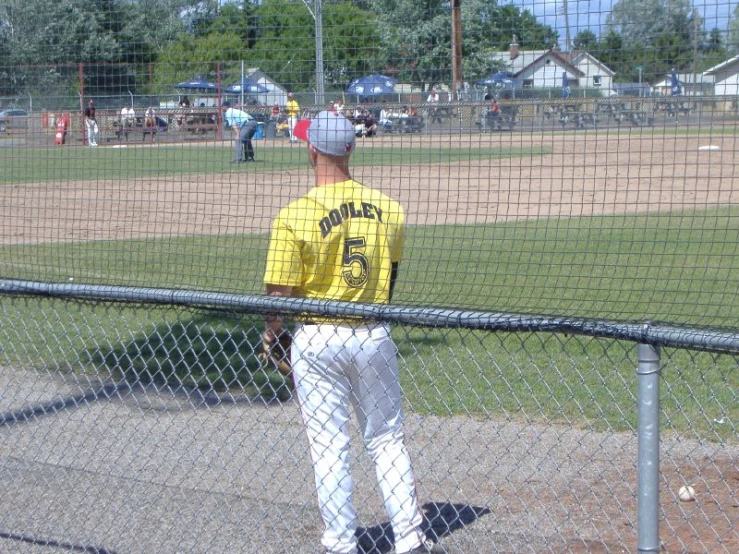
x=332, y=366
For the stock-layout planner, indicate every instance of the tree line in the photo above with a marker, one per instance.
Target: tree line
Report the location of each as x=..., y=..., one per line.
x=145, y=46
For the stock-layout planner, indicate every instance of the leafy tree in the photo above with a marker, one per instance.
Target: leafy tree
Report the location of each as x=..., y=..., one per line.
x=585, y=40
x=610, y=50
x=659, y=35
x=285, y=47
x=490, y=28
x=714, y=42
x=416, y=36
x=530, y=34
x=733, y=45
x=58, y=31
x=637, y=21
x=416, y=39
x=69, y=31
x=233, y=19
x=199, y=57
x=112, y=38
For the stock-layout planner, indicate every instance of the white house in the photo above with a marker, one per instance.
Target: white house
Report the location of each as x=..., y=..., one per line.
x=275, y=93
x=597, y=74
x=725, y=77
x=544, y=68
x=692, y=84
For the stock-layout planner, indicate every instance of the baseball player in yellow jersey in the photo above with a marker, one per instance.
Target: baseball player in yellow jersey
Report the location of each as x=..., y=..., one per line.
x=343, y=241
x=292, y=110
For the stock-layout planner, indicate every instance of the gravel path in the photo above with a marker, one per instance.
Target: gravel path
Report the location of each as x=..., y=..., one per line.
x=157, y=472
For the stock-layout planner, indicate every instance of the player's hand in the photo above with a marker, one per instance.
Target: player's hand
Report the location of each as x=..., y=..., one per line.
x=276, y=347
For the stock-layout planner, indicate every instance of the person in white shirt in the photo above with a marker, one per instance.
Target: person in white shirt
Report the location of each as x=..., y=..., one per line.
x=91, y=124
x=385, y=122
x=433, y=98
x=150, y=122
x=128, y=120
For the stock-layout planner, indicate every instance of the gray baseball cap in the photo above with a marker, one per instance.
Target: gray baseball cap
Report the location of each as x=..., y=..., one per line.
x=330, y=132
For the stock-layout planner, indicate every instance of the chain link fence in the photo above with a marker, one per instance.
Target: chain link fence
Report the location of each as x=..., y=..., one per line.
x=579, y=165
x=155, y=428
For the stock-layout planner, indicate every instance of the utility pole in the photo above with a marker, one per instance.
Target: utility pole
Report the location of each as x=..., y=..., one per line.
x=696, y=31
x=456, y=48
x=319, y=52
x=317, y=14
x=566, y=14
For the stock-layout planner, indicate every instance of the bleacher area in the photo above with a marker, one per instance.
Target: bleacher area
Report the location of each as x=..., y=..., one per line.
x=461, y=117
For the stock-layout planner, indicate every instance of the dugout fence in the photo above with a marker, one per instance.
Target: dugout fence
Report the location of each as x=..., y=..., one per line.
x=120, y=429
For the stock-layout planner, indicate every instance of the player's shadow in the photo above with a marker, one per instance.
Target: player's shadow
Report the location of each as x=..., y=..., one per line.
x=439, y=520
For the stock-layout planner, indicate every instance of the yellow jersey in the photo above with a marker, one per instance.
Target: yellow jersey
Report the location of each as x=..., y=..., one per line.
x=293, y=108
x=338, y=242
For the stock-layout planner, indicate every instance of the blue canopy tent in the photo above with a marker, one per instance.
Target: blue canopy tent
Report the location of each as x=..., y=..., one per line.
x=676, y=88
x=566, y=90
x=500, y=79
x=246, y=86
x=503, y=82
x=372, y=85
x=198, y=84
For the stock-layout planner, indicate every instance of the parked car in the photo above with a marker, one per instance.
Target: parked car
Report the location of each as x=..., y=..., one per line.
x=13, y=118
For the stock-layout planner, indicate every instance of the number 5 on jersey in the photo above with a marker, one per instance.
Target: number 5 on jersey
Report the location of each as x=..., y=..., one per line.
x=355, y=265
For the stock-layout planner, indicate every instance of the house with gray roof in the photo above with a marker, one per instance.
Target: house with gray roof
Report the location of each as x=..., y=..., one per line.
x=692, y=84
x=725, y=77
x=544, y=68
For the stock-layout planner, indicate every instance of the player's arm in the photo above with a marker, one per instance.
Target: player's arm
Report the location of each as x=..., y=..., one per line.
x=393, y=279
x=274, y=321
x=277, y=342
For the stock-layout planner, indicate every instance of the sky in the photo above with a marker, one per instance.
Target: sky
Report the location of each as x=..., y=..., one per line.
x=591, y=14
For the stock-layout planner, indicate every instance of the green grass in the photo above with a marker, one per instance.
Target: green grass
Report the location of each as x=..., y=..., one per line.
x=74, y=164
x=669, y=267
x=678, y=267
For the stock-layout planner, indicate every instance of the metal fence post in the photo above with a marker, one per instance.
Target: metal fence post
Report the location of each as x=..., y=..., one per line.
x=648, y=430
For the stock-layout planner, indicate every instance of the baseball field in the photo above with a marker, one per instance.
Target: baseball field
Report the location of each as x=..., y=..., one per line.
x=618, y=224
x=615, y=224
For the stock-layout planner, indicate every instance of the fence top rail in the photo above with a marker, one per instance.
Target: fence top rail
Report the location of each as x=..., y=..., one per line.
x=658, y=334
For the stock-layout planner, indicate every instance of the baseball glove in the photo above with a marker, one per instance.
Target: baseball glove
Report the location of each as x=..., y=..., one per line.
x=276, y=351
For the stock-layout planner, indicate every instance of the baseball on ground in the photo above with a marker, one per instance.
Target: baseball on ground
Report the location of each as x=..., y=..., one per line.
x=686, y=493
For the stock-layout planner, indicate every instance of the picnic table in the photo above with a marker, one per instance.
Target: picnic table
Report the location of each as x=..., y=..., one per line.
x=579, y=119
x=570, y=113
x=672, y=107
x=198, y=121
x=438, y=113
x=560, y=109
x=610, y=107
x=637, y=118
x=404, y=124
x=492, y=121
x=121, y=131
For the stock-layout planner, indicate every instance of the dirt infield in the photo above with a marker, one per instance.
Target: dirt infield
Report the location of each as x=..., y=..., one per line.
x=585, y=174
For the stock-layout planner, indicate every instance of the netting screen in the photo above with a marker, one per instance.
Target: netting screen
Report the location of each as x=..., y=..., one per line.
x=574, y=158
